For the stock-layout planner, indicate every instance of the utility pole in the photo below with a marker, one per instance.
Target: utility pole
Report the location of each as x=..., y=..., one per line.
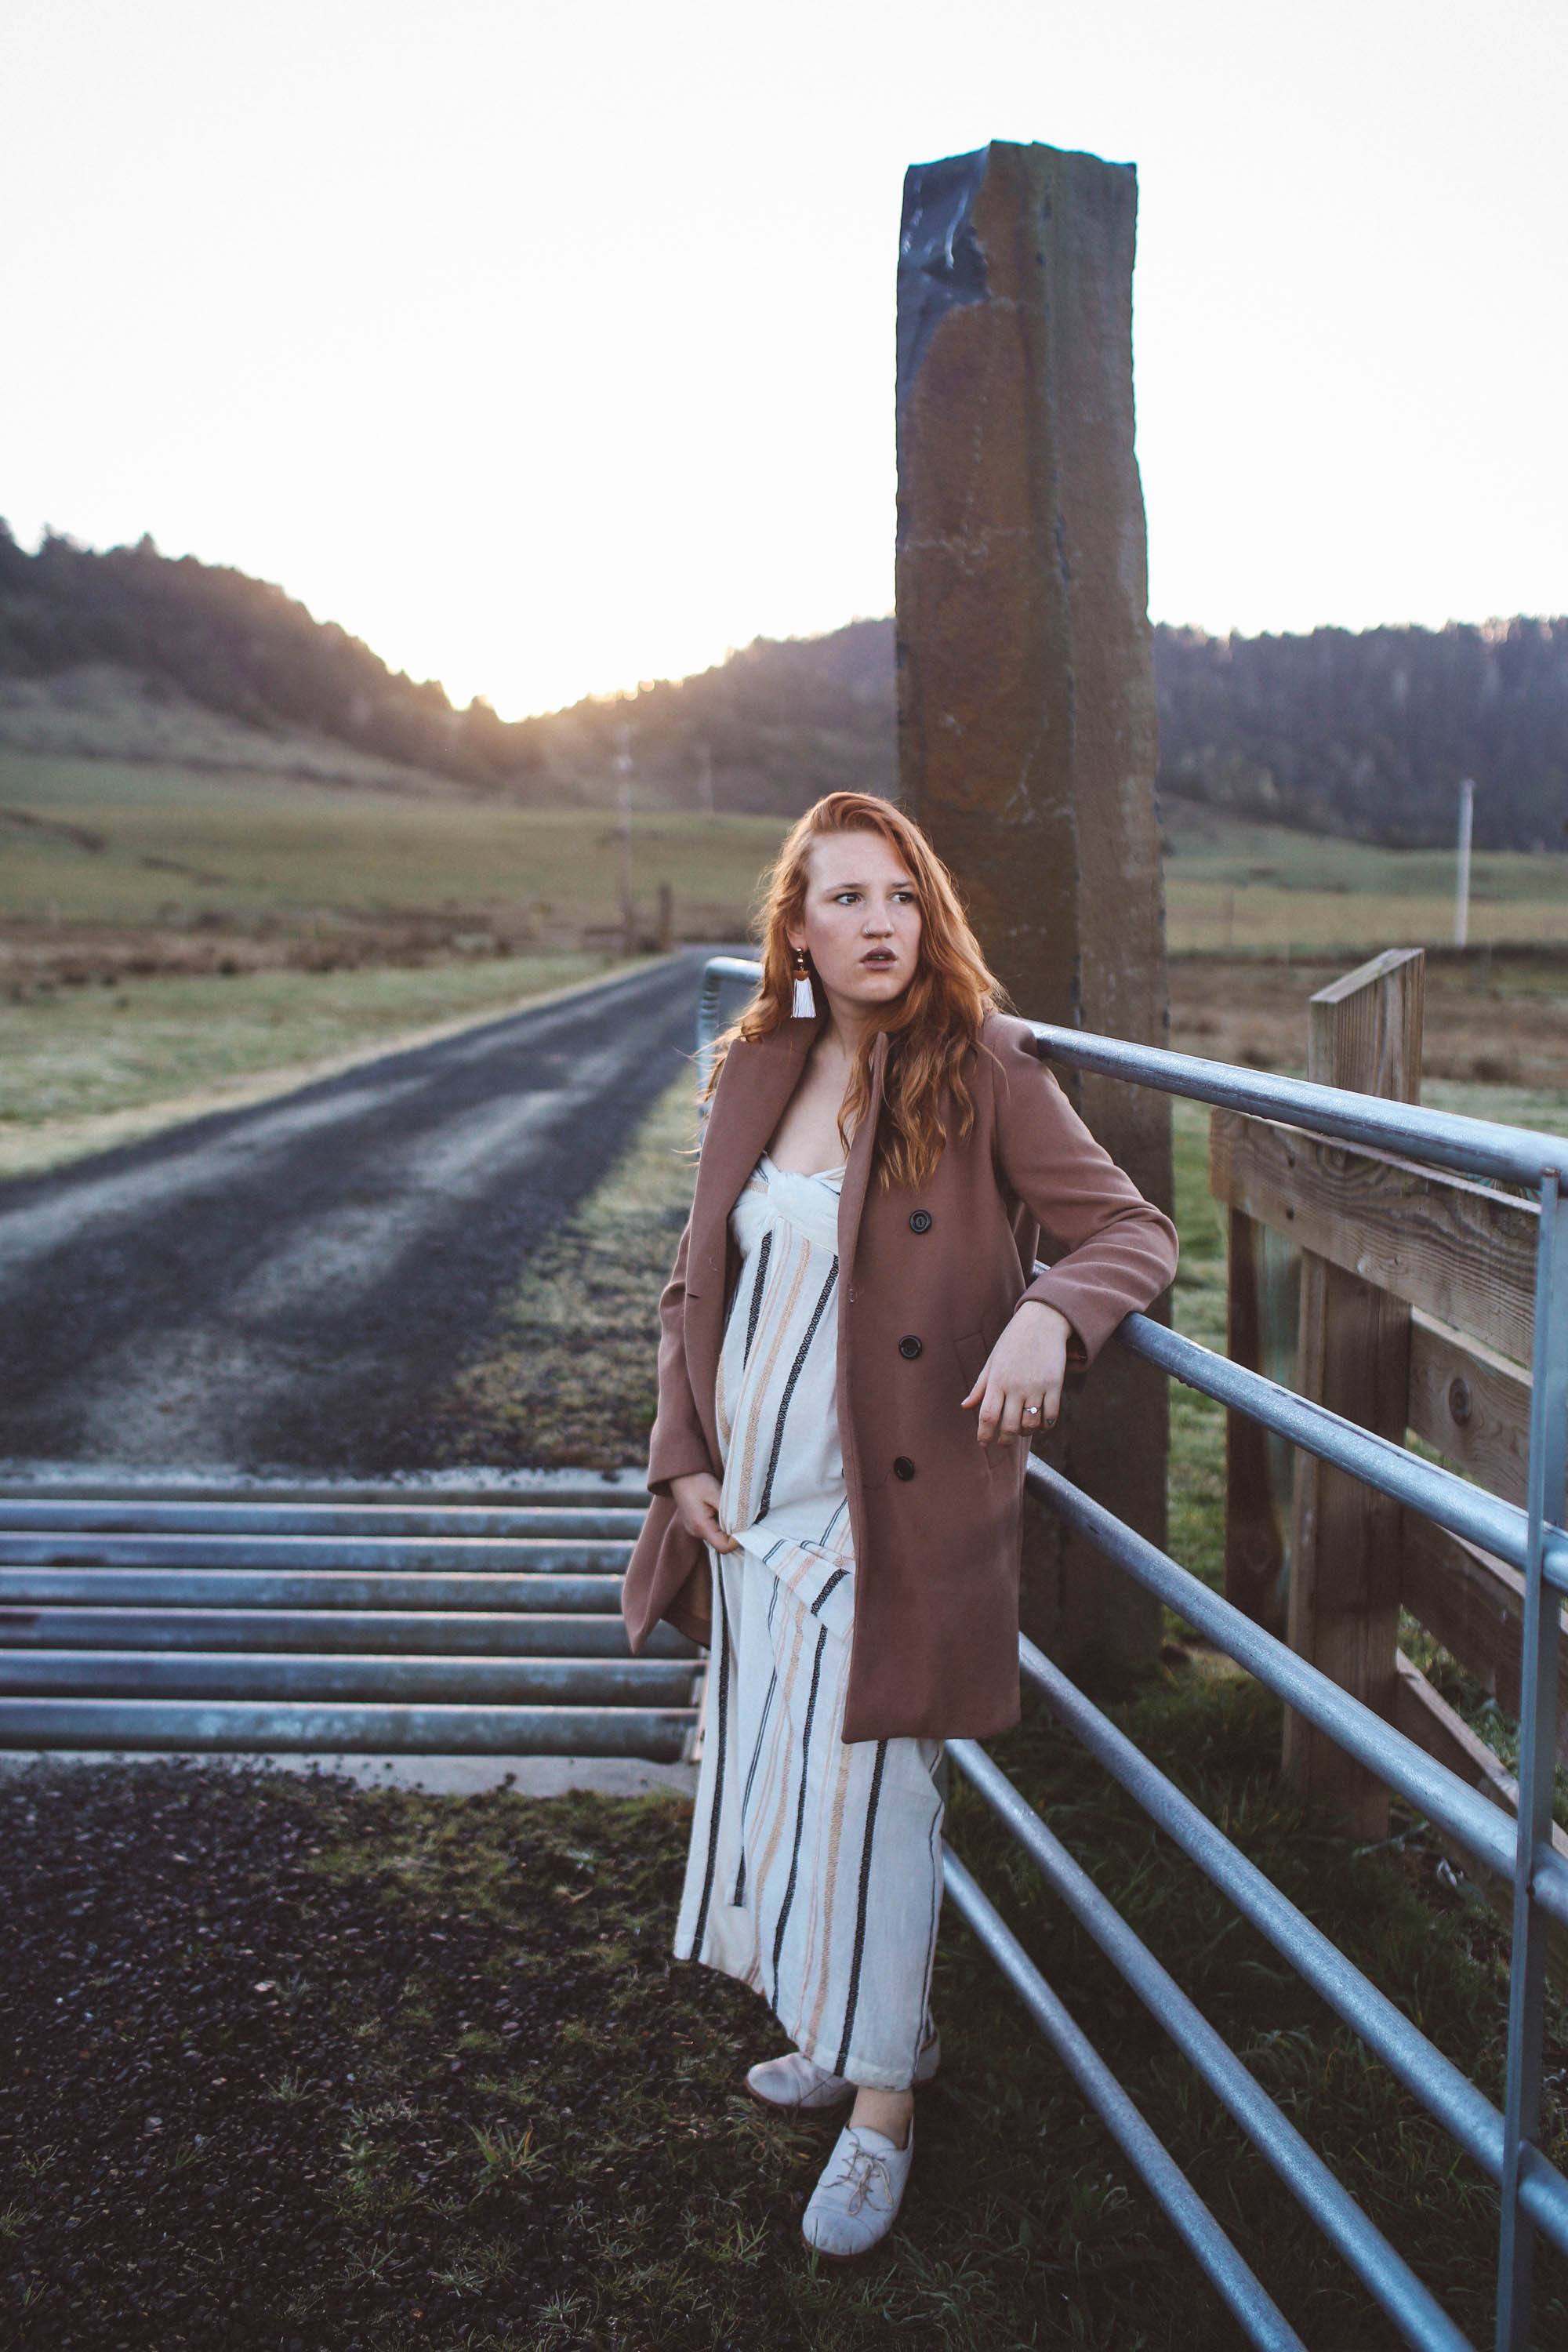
x=705, y=778
x=1462, y=886
x=623, y=795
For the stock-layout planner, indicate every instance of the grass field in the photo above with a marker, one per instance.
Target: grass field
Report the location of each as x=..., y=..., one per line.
x=1232, y=883
x=166, y=931
x=140, y=845
x=96, y=841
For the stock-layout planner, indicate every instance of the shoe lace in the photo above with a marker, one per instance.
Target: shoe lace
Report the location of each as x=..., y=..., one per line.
x=867, y=2164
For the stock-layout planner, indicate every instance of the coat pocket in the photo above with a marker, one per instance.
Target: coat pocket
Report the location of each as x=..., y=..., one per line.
x=972, y=1349
x=691, y=1610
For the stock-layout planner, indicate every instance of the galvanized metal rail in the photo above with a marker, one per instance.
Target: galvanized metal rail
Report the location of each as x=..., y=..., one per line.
x=1501, y=2141
x=291, y=1619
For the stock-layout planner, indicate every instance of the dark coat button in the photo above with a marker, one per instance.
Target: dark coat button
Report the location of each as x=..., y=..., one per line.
x=919, y=1220
x=903, y=1467
x=910, y=1347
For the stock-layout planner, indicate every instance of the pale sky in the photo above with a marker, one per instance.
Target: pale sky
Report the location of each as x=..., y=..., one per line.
x=548, y=344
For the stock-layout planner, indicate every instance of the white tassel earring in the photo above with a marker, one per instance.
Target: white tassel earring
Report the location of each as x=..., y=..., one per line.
x=804, y=1008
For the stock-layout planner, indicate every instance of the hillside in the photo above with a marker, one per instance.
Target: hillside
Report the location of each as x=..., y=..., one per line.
x=1367, y=734
x=1364, y=735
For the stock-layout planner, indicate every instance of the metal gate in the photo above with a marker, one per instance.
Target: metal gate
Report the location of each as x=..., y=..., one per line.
x=417, y=1617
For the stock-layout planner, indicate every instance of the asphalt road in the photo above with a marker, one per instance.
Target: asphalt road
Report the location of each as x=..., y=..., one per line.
x=281, y=1288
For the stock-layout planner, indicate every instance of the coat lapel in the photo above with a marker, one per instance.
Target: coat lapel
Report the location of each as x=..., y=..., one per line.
x=858, y=1166
x=754, y=1085
x=756, y=1082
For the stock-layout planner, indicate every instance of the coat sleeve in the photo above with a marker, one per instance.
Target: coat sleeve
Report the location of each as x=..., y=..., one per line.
x=678, y=1445
x=1121, y=1251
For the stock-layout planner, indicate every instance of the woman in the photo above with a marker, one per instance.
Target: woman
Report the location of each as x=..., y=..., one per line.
x=858, y=1276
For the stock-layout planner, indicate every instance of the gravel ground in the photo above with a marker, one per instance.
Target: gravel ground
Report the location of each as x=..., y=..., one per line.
x=295, y=2066
x=271, y=2056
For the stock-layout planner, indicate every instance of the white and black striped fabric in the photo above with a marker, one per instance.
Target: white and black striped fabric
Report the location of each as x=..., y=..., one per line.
x=775, y=1398
x=814, y=1869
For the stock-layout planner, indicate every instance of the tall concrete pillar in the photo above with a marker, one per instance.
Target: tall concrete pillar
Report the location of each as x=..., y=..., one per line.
x=1026, y=714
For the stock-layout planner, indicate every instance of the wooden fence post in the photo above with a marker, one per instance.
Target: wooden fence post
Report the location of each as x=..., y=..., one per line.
x=1364, y=1032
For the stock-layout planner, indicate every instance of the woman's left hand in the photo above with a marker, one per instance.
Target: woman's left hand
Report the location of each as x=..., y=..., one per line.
x=1024, y=1369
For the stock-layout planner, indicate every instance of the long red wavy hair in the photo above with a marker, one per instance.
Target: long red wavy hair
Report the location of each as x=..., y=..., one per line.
x=931, y=1028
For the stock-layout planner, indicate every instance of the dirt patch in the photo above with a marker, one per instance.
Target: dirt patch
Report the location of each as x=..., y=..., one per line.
x=301, y=2065
x=1491, y=1019
x=570, y=1372
x=37, y=958
x=295, y=2065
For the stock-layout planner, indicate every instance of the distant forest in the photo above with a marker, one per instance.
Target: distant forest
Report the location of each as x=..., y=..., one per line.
x=1364, y=734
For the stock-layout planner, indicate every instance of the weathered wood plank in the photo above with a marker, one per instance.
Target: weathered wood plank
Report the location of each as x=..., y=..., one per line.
x=1472, y=1404
x=1457, y=1250
x=1474, y=1605
x=1365, y=1029
x=1343, y=1603
x=1433, y=1724
x=1354, y=1356
x=1253, y=1536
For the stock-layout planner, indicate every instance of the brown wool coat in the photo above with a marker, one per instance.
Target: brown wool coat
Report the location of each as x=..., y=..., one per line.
x=936, y=1518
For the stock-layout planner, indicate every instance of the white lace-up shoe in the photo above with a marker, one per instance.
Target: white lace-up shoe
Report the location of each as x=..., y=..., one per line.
x=861, y=2188
x=798, y=2084
x=794, y=2082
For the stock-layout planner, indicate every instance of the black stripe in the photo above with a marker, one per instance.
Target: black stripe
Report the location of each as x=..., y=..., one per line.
x=756, y=1752
x=826, y=1538
x=800, y=1808
x=750, y=1776
x=837, y=1577
x=795, y=1372
x=843, y=2058
x=718, y=1764
x=763, y=1257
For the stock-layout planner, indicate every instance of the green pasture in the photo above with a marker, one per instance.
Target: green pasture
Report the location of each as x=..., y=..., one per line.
x=124, y=843
x=1235, y=882
x=1528, y=907
x=127, y=844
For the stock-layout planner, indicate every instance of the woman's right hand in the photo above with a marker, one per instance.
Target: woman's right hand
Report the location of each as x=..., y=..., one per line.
x=696, y=1498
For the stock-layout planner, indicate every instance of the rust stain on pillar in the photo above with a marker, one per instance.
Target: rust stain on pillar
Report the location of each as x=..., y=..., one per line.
x=1026, y=716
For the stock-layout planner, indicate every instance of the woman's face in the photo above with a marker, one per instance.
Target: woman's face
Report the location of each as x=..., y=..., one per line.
x=861, y=921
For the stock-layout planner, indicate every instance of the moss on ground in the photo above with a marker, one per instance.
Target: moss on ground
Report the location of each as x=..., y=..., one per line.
x=300, y=2063
x=569, y=1374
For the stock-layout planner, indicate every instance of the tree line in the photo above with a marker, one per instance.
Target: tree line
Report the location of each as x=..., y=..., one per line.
x=1366, y=733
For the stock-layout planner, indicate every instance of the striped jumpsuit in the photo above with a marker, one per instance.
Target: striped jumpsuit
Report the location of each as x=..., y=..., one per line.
x=814, y=1873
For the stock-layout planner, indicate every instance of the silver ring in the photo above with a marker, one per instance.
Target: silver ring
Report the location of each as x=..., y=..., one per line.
x=1032, y=1411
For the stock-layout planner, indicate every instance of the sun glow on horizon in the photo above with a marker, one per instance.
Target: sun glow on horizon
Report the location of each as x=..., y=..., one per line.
x=550, y=350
